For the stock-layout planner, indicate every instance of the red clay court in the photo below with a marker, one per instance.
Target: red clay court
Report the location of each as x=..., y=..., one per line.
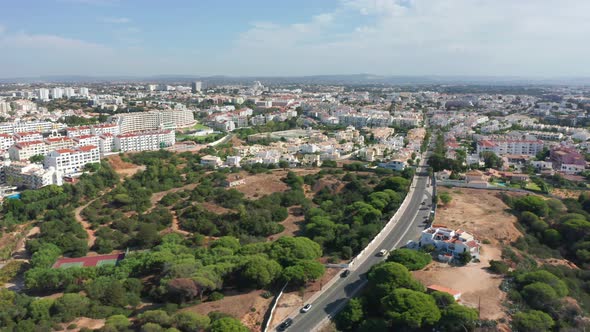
x=88, y=261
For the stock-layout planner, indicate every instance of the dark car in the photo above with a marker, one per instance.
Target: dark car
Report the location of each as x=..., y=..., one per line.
x=345, y=273
x=284, y=325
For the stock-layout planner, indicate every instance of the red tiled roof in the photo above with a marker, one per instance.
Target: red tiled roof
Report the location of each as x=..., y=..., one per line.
x=86, y=148
x=23, y=144
x=88, y=260
x=440, y=288
x=60, y=151
x=27, y=133
x=472, y=244
x=58, y=139
x=84, y=137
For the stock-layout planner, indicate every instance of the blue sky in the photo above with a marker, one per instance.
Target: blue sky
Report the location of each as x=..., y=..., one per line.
x=541, y=38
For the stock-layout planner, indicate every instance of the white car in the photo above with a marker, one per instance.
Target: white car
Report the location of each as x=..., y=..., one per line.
x=306, y=308
x=382, y=253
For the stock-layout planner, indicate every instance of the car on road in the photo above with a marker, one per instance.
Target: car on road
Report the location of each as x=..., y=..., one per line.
x=284, y=325
x=345, y=273
x=306, y=308
x=382, y=252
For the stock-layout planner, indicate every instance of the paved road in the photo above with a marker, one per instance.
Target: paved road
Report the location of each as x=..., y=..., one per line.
x=411, y=223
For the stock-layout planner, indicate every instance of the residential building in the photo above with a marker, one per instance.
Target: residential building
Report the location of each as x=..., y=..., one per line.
x=31, y=176
x=69, y=92
x=28, y=136
x=143, y=141
x=233, y=161
x=211, y=161
x=106, y=143
x=560, y=155
x=87, y=140
x=44, y=94
x=25, y=150
x=396, y=165
x=56, y=143
x=504, y=146
x=72, y=161
x=84, y=92
x=57, y=93
x=153, y=120
x=6, y=141
x=448, y=241
x=196, y=86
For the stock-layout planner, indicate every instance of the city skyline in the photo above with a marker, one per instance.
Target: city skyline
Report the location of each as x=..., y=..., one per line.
x=264, y=38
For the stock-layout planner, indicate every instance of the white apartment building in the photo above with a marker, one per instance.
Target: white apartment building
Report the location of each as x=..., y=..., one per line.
x=78, y=131
x=233, y=161
x=27, y=136
x=153, y=120
x=6, y=141
x=70, y=161
x=57, y=93
x=25, y=150
x=87, y=140
x=40, y=126
x=84, y=92
x=142, y=141
x=105, y=128
x=69, y=92
x=56, y=143
x=106, y=143
x=5, y=107
x=502, y=147
x=31, y=176
x=44, y=94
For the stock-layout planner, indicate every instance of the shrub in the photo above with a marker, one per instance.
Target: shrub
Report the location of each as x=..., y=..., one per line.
x=216, y=296
x=412, y=259
x=498, y=267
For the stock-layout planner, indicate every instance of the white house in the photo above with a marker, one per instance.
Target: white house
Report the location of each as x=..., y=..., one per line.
x=69, y=161
x=450, y=241
x=211, y=161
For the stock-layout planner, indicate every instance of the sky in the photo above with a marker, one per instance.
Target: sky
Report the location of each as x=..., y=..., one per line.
x=524, y=38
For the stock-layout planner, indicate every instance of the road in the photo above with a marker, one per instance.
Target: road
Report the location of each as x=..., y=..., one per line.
x=412, y=222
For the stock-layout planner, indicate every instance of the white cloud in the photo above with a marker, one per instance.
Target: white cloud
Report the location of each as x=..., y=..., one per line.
x=115, y=20
x=462, y=37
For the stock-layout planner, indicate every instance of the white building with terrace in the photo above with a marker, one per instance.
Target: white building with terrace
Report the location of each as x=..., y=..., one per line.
x=451, y=242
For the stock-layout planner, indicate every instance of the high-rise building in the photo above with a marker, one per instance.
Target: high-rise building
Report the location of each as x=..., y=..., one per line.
x=196, y=86
x=44, y=94
x=5, y=107
x=84, y=92
x=69, y=92
x=57, y=93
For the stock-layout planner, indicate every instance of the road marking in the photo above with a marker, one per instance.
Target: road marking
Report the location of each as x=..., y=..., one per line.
x=408, y=228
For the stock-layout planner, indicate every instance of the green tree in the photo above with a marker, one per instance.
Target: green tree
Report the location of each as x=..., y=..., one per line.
x=383, y=278
x=37, y=159
x=190, y=321
x=289, y=250
x=457, y=317
x=351, y=316
x=159, y=317
x=40, y=309
x=70, y=306
x=227, y=324
x=491, y=160
x=539, y=295
x=442, y=299
x=532, y=321
x=410, y=308
x=546, y=277
x=534, y=204
x=118, y=323
x=303, y=271
x=412, y=259
x=259, y=271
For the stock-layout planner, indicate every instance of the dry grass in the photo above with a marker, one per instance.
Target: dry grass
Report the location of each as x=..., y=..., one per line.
x=259, y=185
x=124, y=168
x=249, y=308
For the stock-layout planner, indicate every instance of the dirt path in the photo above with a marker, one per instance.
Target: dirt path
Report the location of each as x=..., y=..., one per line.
x=85, y=224
x=156, y=197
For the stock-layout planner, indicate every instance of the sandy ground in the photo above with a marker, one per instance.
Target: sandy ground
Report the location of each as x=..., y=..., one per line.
x=89, y=323
x=249, y=308
x=293, y=223
x=156, y=197
x=476, y=284
x=480, y=212
x=566, y=193
x=85, y=224
x=484, y=214
x=292, y=300
x=258, y=185
x=124, y=168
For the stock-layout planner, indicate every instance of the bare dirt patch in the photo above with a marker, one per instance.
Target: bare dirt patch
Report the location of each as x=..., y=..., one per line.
x=292, y=224
x=249, y=308
x=124, y=168
x=86, y=322
x=477, y=285
x=566, y=193
x=480, y=212
x=259, y=185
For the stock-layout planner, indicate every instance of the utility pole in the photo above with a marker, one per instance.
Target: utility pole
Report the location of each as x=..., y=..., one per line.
x=479, y=308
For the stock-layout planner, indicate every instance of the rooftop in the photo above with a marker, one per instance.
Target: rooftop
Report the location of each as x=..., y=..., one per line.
x=89, y=261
